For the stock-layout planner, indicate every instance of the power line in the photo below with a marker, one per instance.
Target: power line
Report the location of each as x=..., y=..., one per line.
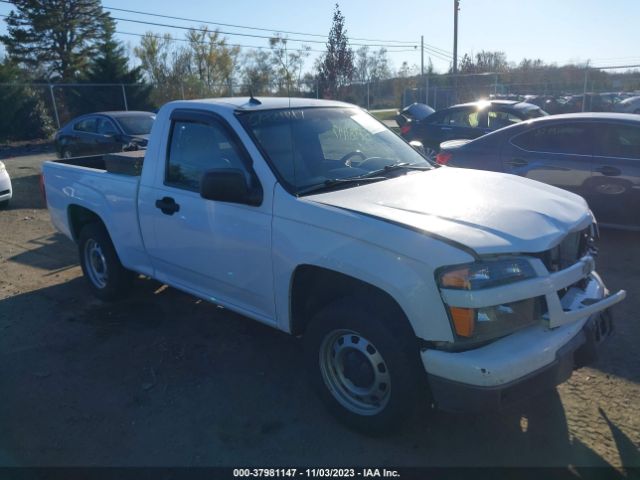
x=208, y=22
x=438, y=55
x=172, y=39
x=250, y=35
x=438, y=50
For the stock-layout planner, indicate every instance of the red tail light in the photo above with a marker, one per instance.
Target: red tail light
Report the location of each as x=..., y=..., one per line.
x=443, y=158
x=406, y=128
x=43, y=192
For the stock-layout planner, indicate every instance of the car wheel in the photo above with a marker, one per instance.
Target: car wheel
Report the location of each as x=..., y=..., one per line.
x=66, y=154
x=100, y=264
x=430, y=153
x=4, y=204
x=366, y=372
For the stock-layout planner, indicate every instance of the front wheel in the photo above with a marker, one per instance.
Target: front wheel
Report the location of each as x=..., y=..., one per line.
x=364, y=370
x=100, y=264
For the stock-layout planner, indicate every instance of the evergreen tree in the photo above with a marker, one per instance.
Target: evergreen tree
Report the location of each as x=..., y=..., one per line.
x=336, y=68
x=54, y=39
x=24, y=116
x=111, y=65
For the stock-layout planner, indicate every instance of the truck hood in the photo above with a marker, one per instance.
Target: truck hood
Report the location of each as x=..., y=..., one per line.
x=487, y=212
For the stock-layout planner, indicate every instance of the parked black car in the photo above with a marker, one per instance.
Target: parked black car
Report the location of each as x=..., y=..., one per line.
x=104, y=132
x=594, y=102
x=467, y=120
x=596, y=155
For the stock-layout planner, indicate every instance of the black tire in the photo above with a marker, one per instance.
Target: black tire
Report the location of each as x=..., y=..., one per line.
x=106, y=276
x=397, y=348
x=65, y=153
x=4, y=204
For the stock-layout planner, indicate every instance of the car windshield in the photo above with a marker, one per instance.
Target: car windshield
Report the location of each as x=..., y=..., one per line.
x=136, y=124
x=310, y=147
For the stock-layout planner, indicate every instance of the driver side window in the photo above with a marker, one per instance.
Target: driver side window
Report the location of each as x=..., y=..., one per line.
x=195, y=148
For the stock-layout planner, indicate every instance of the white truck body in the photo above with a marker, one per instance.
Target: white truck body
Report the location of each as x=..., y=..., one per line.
x=394, y=235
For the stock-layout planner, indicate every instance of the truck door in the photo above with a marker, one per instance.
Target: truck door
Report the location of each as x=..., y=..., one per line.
x=218, y=250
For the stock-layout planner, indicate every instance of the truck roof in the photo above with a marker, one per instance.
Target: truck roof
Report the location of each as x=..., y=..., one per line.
x=268, y=103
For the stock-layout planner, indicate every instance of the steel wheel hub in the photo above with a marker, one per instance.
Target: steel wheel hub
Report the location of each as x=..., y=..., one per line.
x=96, y=264
x=355, y=372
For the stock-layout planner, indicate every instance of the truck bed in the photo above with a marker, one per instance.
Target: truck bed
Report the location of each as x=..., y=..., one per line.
x=123, y=163
x=106, y=185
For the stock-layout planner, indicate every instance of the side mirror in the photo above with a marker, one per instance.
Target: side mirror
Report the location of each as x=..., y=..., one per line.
x=417, y=145
x=228, y=185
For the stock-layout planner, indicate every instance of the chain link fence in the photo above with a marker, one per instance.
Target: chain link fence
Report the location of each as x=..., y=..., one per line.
x=551, y=88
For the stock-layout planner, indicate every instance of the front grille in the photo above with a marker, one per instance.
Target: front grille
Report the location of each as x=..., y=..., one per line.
x=572, y=247
x=4, y=192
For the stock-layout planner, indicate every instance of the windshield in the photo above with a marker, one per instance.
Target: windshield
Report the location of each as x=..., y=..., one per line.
x=314, y=146
x=136, y=124
x=534, y=112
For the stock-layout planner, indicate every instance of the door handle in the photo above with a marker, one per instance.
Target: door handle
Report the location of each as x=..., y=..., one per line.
x=446, y=129
x=167, y=205
x=517, y=162
x=608, y=171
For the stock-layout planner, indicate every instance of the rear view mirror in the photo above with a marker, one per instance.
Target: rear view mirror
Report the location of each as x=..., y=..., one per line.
x=228, y=185
x=417, y=145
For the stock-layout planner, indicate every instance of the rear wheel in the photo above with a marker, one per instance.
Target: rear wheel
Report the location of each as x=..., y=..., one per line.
x=364, y=370
x=66, y=154
x=430, y=153
x=101, y=266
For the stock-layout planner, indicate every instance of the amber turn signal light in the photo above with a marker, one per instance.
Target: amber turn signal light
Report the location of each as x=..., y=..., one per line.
x=456, y=279
x=464, y=320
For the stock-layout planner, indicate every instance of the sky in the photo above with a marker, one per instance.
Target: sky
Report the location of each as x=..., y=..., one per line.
x=560, y=31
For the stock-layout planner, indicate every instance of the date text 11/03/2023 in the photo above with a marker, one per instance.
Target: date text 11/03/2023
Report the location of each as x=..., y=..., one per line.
x=315, y=473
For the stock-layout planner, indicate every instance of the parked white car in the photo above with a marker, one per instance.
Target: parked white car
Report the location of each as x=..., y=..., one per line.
x=312, y=217
x=6, y=190
x=628, y=105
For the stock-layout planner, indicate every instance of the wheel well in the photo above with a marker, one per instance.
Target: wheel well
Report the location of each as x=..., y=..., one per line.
x=314, y=287
x=79, y=217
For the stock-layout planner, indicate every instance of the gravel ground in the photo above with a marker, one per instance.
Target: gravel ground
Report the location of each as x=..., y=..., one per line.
x=164, y=379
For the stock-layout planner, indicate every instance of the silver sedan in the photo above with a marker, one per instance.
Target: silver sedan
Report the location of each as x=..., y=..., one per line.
x=628, y=105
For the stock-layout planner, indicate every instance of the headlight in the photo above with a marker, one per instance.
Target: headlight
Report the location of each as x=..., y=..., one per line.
x=2, y=167
x=474, y=276
x=481, y=324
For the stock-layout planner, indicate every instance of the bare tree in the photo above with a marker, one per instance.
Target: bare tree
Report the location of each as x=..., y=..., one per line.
x=287, y=64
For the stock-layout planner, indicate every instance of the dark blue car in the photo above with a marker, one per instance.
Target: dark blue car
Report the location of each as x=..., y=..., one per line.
x=104, y=132
x=596, y=155
x=467, y=120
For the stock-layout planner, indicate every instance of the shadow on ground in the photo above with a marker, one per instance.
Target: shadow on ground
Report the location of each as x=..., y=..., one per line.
x=162, y=378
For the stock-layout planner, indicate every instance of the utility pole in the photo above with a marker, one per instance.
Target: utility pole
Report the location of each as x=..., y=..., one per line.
x=456, y=7
x=586, y=86
x=422, y=67
x=426, y=85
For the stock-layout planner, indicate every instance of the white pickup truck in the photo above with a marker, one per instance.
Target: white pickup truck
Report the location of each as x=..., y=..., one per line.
x=312, y=217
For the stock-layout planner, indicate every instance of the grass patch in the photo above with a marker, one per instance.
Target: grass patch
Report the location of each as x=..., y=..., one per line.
x=382, y=115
